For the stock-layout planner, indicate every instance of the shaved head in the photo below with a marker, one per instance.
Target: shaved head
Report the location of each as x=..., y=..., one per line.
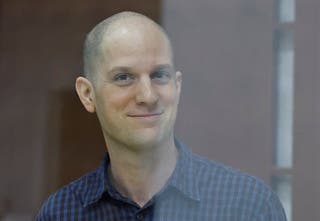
x=117, y=26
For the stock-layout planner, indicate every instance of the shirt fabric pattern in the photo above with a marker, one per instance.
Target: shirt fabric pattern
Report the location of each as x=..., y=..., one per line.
x=198, y=190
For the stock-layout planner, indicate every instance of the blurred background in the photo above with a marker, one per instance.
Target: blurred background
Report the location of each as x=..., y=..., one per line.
x=250, y=95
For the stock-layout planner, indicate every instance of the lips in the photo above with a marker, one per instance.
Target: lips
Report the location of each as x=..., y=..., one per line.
x=144, y=115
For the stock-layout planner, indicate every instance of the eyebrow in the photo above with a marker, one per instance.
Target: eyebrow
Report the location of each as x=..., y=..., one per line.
x=121, y=69
x=128, y=69
x=163, y=66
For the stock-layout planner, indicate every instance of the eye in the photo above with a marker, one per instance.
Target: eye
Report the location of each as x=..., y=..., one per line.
x=161, y=77
x=123, y=79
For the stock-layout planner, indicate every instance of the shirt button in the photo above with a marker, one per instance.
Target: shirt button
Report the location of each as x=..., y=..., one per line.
x=139, y=216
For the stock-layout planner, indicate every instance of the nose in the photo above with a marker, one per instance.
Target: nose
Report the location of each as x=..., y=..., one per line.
x=146, y=93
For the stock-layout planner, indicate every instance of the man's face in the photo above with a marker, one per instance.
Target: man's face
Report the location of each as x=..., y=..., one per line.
x=137, y=90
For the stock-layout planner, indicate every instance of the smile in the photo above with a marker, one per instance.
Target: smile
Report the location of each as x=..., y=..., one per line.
x=145, y=115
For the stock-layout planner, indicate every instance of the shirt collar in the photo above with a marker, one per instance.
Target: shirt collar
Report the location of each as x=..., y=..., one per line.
x=184, y=177
x=93, y=186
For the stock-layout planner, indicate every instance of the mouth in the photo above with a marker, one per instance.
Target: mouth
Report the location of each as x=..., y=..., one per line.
x=145, y=115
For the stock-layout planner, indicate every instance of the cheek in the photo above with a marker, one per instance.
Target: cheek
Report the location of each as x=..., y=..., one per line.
x=118, y=101
x=170, y=96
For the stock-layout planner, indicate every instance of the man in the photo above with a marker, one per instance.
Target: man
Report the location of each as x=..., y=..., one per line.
x=131, y=84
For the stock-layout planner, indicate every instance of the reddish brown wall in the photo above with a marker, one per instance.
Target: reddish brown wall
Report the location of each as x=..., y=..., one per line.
x=40, y=49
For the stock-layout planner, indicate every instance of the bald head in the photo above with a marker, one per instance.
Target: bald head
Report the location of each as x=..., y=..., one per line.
x=117, y=27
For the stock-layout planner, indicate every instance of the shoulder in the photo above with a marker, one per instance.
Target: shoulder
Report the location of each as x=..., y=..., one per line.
x=236, y=190
x=223, y=173
x=69, y=198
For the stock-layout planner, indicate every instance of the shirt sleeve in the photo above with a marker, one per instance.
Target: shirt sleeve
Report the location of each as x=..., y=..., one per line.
x=273, y=210
x=41, y=216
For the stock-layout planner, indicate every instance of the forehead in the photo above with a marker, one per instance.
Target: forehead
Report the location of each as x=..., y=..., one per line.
x=135, y=47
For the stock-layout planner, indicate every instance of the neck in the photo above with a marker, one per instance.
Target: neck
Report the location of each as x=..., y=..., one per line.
x=139, y=175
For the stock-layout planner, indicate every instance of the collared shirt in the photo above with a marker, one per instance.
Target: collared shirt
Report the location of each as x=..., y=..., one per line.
x=198, y=190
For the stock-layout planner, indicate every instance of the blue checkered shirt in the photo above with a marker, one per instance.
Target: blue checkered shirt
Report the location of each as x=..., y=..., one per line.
x=198, y=190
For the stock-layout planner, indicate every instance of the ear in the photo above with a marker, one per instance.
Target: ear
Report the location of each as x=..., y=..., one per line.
x=85, y=92
x=178, y=80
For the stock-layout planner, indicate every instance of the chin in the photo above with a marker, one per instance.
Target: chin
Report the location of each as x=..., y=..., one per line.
x=147, y=138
